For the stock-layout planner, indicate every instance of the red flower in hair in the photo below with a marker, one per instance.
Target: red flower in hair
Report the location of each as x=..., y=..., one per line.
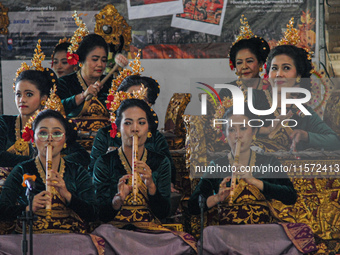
x=110, y=99
x=28, y=135
x=231, y=65
x=113, y=131
x=108, y=105
x=72, y=58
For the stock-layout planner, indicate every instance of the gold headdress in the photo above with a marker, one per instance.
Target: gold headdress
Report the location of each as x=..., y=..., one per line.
x=245, y=31
x=246, y=34
x=136, y=67
x=64, y=40
x=54, y=103
x=114, y=100
x=291, y=37
x=79, y=34
x=111, y=26
x=38, y=57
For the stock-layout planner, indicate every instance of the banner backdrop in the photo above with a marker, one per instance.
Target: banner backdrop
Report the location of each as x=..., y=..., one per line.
x=152, y=8
x=183, y=35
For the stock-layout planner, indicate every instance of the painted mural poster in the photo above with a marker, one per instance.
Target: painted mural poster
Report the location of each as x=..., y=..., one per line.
x=201, y=16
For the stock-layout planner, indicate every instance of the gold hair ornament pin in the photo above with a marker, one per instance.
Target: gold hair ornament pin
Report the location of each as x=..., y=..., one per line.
x=38, y=57
x=79, y=34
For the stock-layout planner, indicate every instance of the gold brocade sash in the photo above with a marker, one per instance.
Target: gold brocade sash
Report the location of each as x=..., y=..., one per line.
x=140, y=215
x=20, y=147
x=92, y=117
x=249, y=207
x=93, y=108
x=130, y=213
x=93, y=114
x=63, y=219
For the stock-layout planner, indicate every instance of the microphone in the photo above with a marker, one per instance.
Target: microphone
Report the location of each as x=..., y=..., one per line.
x=29, y=181
x=201, y=201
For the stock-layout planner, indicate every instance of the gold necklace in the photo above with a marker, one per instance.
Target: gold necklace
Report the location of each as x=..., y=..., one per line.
x=42, y=172
x=81, y=81
x=243, y=88
x=20, y=144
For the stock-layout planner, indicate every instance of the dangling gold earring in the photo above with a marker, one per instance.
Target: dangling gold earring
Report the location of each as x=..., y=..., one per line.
x=298, y=79
x=33, y=144
x=226, y=140
x=65, y=145
x=254, y=138
x=43, y=103
x=80, y=65
x=261, y=69
x=118, y=134
x=149, y=134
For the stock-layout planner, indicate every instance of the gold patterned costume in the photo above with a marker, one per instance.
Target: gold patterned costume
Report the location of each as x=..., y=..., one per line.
x=65, y=217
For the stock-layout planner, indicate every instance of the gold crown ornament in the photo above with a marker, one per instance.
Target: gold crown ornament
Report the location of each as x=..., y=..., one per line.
x=38, y=57
x=245, y=31
x=79, y=34
x=136, y=67
x=115, y=99
x=291, y=37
